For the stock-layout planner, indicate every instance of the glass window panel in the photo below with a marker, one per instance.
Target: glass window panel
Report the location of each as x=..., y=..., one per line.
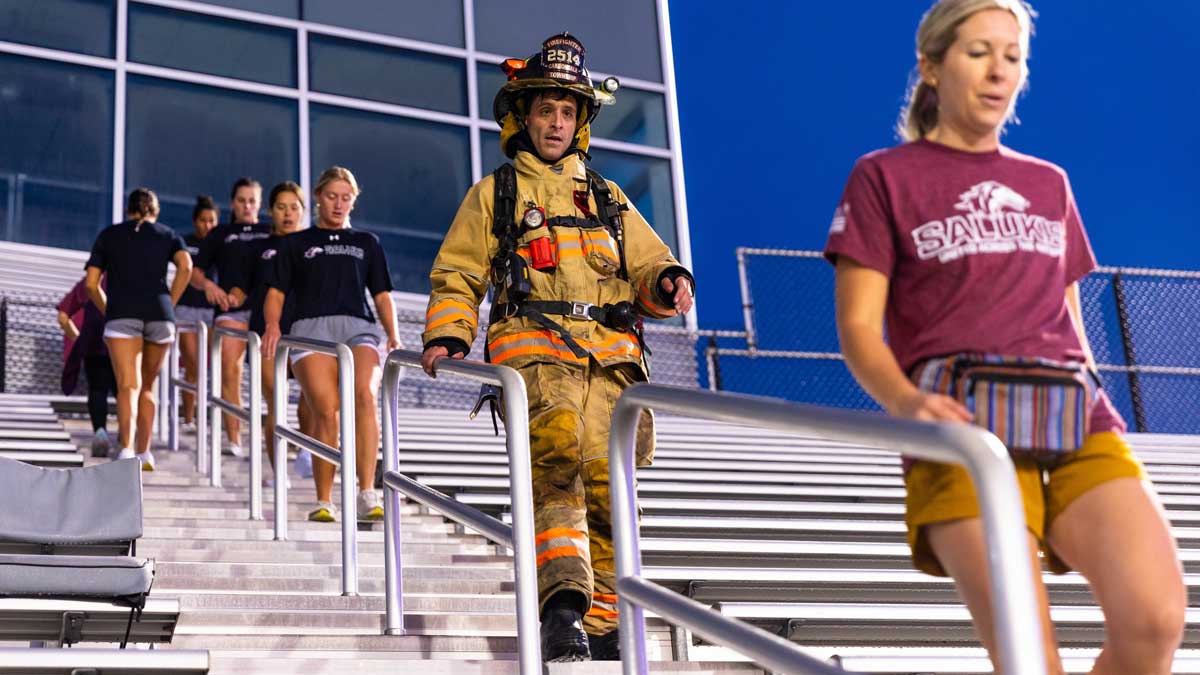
x=489, y=79
x=621, y=37
x=637, y=117
x=182, y=140
x=89, y=30
x=439, y=22
x=645, y=180
x=56, y=128
x=386, y=74
x=413, y=176
x=289, y=9
x=207, y=44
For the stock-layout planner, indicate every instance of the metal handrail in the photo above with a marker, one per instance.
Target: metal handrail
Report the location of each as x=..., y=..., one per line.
x=252, y=414
x=1018, y=622
x=345, y=458
x=200, y=389
x=519, y=537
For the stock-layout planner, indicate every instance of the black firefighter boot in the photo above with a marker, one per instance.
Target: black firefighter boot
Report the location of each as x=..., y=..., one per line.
x=605, y=647
x=563, y=639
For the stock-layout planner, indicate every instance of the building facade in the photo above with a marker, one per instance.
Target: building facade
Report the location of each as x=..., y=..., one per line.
x=100, y=96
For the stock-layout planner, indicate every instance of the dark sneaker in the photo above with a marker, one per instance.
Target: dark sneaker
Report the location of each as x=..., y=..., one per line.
x=563, y=639
x=605, y=647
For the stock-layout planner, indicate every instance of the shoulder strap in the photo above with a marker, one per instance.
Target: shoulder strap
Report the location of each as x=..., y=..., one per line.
x=504, y=205
x=609, y=212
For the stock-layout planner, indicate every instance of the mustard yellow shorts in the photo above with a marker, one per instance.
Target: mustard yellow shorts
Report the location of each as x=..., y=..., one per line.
x=938, y=493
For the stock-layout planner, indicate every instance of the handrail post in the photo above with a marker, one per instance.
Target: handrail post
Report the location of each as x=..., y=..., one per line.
x=201, y=411
x=161, y=416
x=214, y=364
x=393, y=574
x=172, y=402
x=519, y=537
x=631, y=619
x=349, y=448
x=344, y=456
x=1018, y=623
x=254, y=347
x=520, y=479
x=279, y=410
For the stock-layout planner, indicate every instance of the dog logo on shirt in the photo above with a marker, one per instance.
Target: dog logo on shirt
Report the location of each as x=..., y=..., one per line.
x=270, y=253
x=313, y=252
x=994, y=219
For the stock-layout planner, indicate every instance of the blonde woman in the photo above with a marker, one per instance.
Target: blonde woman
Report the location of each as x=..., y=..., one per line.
x=326, y=268
x=971, y=253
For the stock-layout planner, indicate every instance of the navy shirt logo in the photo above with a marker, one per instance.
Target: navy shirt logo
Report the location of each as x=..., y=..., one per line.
x=268, y=254
x=313, y=252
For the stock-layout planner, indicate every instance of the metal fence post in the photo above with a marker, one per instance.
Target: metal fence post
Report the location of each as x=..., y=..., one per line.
x=747, y=300
x=712, y=358
x=1135, y=384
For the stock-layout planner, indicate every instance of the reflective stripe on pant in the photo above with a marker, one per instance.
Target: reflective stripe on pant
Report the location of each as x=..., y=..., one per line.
x=570, y=410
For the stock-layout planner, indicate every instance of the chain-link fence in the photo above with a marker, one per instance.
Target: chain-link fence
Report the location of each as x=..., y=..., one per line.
x=31, y=350
x=1139, y=323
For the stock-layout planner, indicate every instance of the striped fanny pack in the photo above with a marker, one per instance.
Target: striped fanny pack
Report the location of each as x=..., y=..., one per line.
x=1039, y=408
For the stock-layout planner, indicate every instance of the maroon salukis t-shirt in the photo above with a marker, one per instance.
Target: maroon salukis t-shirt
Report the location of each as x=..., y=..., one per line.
x=979, y=250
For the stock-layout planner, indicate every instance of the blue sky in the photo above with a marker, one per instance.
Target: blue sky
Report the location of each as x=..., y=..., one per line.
x=777, y=99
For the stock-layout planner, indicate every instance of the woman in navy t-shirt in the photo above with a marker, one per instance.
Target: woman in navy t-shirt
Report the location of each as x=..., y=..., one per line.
x=229, y=249
x=139, y=311
x=964, y=248
x=286, y=206
x=327, y=268
x=194, y=306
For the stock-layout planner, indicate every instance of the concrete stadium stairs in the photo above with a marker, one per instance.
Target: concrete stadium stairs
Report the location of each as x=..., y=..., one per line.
x=263, y=606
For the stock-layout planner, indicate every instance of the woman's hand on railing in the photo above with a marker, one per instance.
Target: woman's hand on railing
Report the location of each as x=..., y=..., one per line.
x=270, y=340
x=929, y=407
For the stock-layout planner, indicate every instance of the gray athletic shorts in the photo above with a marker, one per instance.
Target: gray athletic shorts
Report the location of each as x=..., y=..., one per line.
x=158, y=332
x=239, y=315
x=196, y=314
x=350, y=330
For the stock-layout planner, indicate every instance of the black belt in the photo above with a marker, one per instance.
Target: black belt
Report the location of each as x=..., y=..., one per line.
x=576, y=310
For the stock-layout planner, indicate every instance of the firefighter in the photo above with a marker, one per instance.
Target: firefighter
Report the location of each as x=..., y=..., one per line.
x=574, y=267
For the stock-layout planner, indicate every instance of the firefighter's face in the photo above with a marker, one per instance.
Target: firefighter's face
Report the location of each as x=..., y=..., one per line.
x=551, y=123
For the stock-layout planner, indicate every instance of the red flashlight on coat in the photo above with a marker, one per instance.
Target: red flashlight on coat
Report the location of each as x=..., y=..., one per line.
x=541, y=248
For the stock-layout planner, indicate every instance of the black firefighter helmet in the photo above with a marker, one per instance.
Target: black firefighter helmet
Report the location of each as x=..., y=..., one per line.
x=559, y=65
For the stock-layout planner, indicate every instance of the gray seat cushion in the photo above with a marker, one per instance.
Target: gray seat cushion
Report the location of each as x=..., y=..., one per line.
x=75, y=576
x=94, y=504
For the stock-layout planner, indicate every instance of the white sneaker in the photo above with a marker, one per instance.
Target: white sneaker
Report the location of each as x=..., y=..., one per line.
x=304, y=464
x=237, y=450
x=324, y=513
x=147, y=458
x=370, y=507
x=188, y=427
x=126, y=453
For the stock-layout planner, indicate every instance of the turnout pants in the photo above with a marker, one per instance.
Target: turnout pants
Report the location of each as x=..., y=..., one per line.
x=570, y=410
